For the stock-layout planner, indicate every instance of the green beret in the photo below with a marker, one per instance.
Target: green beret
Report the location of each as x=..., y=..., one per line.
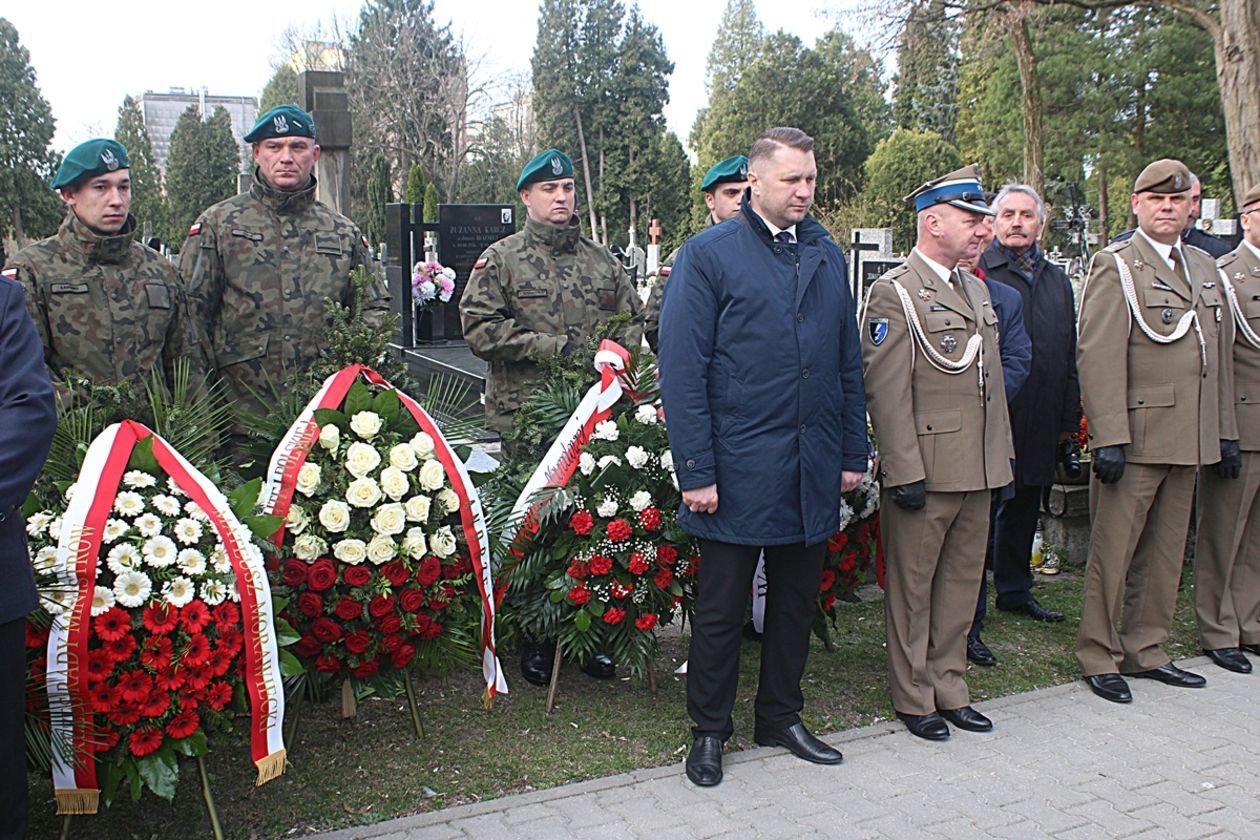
x=87, y=160
x=551, y=165
x=734, y=169
x=1163, y=176
x=1252, y=198
x=282, y=121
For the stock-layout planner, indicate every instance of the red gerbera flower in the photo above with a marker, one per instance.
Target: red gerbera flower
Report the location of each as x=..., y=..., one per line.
x=197, y=652
x=183, y=725
x=160, y=618
x=99, y=665
x=102, y=698
x=144, y=741
x=157, y=653
x=218, y=695
x=226, y=615
x=219, y=663
x=158, y=703
x=232, y=641
x=195, y=616
x=104, y=740
x=122, y=648
x=135, y=686
x=124, y=714
x=36, y=636
x=170, y=679
x=113, y=624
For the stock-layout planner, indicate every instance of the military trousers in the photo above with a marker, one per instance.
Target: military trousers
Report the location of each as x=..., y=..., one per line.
x=933, y=560
x=1136, y=548
x=1227, y=557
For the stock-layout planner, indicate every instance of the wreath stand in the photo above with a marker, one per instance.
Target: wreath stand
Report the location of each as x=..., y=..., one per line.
x=555, y=677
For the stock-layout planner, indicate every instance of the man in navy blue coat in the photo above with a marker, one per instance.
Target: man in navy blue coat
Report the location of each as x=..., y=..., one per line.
x=761, y=379
x=27, y=419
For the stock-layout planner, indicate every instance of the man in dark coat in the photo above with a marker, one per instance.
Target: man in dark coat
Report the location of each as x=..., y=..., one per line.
x=761, y=379
x=27, y=419
x=1047, y=410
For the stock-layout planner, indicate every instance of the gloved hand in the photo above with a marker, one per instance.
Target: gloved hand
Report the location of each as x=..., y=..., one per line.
x=1230, y=465
x=1109, y=463
x=910, y=496
x=1070, y=458
x=567, y=350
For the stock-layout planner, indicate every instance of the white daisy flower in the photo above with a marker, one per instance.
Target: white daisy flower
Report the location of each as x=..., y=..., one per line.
x=160, y=552
x=57, y=601
x=123, y=557
x=173, y=487
x=38, y=522
x=193, y=511
x=188, y=531
x=102, y=600
x=115, y=529
x=45, y=559
x=179, y=591
x=213, y=592
x=132, y=588
x=219, y=560
x=232, y=594
x=128, y=503
x=166, y=505
x=148, y=525
x=191, y=561
x=54, y=529
x=138, y=479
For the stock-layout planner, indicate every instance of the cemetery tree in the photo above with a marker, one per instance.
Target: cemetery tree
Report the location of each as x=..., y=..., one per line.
x=146, y=178
x=738, y=44
x=282, y=88
x=28, y=206
x=926, y=85
x=201, y=168
x=415, y=184
x=900, y=163
x=380, y=192
x=430, y=202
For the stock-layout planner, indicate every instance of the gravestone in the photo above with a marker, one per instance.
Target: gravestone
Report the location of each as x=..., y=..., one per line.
x=464, y=231
x=323, y=94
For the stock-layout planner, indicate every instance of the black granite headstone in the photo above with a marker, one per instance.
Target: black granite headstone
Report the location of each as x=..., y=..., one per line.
x=464, y=231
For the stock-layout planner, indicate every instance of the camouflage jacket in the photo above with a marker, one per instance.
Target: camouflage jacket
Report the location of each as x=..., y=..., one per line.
x=106, y=307
x=533, y=292
x=652, y=310
x=258, y=268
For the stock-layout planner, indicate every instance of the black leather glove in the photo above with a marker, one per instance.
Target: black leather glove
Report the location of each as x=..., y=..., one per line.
x=910, y=496
x=1070, y=458
x=1230, y=465
x=567, y=350
x=1109, y=463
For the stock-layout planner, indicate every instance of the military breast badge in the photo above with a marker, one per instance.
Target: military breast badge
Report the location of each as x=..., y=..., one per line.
x=949, y=344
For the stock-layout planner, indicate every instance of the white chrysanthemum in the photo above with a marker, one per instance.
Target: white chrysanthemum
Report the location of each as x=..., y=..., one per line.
x=122, y=558
x=297, y=520
x=381, y=549
x=102, y=600
x=179, y=591
x=159, y=551
x=213, y=592
x=363, y=493
x=607, y=507
x=442, y=542
x=38, y=522
x=138, y=479
x=646, y=414
x=403, y=457
x=45, y=559
x=148, y=525
x=365, y=424
x=165, y=505
x=448, y=499
x=219, y=560
x=308, y=478
x=608, y=459
x=422, y=443
x=334, y=516
x=132, y=588
x=329, y=437
x=193, y=511
x=361, y=459
x=606, y=430
x=191, y=562
x=389, y=519
x=414, y=544
x=640, y=500
x=115, y=529
x=350, y=551
x=637, y=457
x=418, y=508
x=173, y=487
x=667, y=460
x=128, y=503
x=188, y=531
x=586, y=463
x=431, y=476
x=394, y=482
x=308, y=547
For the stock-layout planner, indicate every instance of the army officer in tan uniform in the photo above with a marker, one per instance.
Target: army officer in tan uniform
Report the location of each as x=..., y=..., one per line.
x=1155, y=367
x=935, y=396
x=1227, y=555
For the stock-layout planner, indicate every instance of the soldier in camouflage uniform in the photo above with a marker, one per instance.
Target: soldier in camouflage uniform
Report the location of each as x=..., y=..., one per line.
x=723, y=187
x=259, y=266
x=543, y=290
x=107, y=308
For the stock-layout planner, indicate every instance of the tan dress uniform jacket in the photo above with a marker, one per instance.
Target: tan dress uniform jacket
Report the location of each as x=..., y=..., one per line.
x=1169, y=403
x=1227, y=552
x=950, y=430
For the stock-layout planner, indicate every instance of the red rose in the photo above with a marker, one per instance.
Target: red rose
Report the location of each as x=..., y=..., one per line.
x=327, y=664
x=828, y=580
x=325, y=629
x=160, y=618
x=321, y=575
x=614, y=615
x=195, y=616
x=645, y=622
x=381, y=605
x=650, y=518
x=600, y=565
x=432, y=631
x=402, y=657
x=113, y=624
x=226, y=615
x=663, y=579
x=395, y=572
x=450, y=571
x=828, y=603
x=356, y=575
x=619, y=530
x=428, y=572
x=412, y=599
x=638, y=563
x=349, y=608
x=423, y=623
x=294, y=573
x=666, y=555
x=580, y=594
x=578, y=569
x=310, y=604
x=388, y=624
x=144, y=741
x=307, y=646
x=366, y=669
x=443, y=597
x=358, y=641
x=218, y=695
x=392, y=642
x=581, y=522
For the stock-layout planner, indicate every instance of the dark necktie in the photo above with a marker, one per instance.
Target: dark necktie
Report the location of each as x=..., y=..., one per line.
x=1178, y=265
x=783, y=237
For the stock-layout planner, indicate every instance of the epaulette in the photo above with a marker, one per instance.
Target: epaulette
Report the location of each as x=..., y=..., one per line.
x=1117, y=247
x=1227, y=259
x=895, y=272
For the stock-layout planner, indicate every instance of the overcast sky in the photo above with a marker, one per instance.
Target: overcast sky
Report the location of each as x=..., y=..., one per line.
x=89, y=55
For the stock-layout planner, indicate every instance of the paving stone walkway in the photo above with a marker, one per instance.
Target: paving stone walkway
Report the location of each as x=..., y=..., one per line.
x=1176, y=763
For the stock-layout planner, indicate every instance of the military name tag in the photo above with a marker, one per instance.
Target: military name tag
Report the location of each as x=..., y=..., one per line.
x=529, y=292
x=937, y=308
x=1209, y=285
x=159, y=295
x=949, y=344
x=607, y=299
x=248, y=234
x=878, y=328
x=1161, y=286
x=68, y=288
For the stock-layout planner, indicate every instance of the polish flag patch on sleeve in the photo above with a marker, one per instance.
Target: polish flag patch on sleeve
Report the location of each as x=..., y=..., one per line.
x=10, y=273
x=665, y=270
x=481, y=263
x=195, y=229
x=363, y=239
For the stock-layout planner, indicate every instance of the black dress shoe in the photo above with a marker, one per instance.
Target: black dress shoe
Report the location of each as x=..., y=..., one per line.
x=1251, y=649
x=797, y=740
x=704, y=762
x=967, y=718
x=536, y=658
x=1110, y=687
x=931, y=727
x=979, y=653
x=1034, y=610
x=600, y=666
x=1231, y=659
x=1170, y=674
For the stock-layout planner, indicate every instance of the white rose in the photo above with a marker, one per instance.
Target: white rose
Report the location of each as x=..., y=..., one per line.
x=363, y=493
x=389, y=519
x=297, y=520
x=606, y=508
x=606, y=430
x=431, y=476
x=329, y=437
x=636, y=457
x=381, y=549
x=308, y=547
x=334, y=516
x=423, y=445
x=308, y=479
x=418, y=508
x=403, y=457
x=361, y=459
x=586, y=463
x=414, y=544
x=667, y=460
x=448, y=500
x=353, y=552
x=609, y=459
x=365, y=424
x=442, y=542
x=645, y=414
x=640, y=500
x=394, y=482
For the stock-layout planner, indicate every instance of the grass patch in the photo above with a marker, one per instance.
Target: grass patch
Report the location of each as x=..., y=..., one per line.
x=346, y=773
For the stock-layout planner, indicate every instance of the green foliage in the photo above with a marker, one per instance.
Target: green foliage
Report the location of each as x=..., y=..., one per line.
x=430, y=202
x=926, y=95
x=380, y=192
x=900, y=163
x=29, y=209
x=147, y=204
x=415, y=184
x=739, y=42
x=281, y=88
x=201, y=168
